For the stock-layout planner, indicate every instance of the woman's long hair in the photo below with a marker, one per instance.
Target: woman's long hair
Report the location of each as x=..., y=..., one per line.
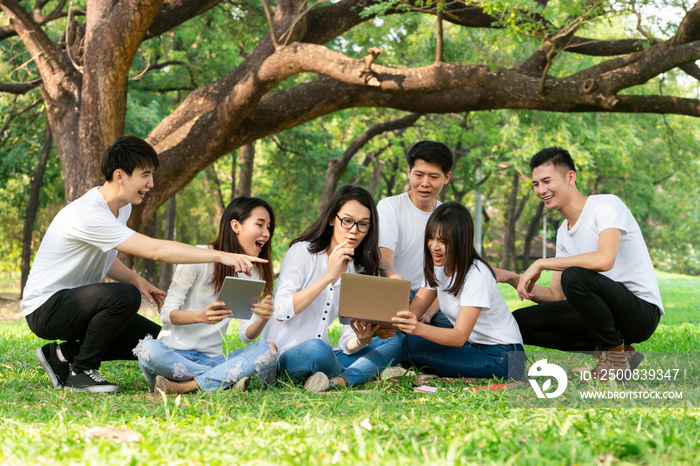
x=453, y=224
x=226, y=240
x=321, y=232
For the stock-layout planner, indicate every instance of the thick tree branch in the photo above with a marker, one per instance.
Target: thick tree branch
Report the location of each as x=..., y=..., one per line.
x=336, y=168
x=172, y=13
x=43, y=51
x=21, y=88
x=57, y=12
x=689, y=30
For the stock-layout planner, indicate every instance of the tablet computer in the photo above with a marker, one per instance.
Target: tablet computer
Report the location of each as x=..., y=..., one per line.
x=240, y=294
x=374, y=299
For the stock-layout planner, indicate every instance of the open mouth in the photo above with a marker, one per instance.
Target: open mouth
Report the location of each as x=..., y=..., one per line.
x=259, y=245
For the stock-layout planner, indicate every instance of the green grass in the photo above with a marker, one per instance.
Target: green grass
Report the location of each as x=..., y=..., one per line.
x=388, y=425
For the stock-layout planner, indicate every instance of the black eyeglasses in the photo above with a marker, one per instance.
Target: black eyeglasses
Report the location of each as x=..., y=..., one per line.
x=348, y=223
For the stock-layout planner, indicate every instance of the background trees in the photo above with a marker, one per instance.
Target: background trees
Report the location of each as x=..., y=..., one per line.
x=203, y=78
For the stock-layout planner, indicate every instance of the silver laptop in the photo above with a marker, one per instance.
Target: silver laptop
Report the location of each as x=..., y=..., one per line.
x=374, y=299
x=240, y=294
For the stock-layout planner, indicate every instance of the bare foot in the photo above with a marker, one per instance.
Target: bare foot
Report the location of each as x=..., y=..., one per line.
x=168, y=386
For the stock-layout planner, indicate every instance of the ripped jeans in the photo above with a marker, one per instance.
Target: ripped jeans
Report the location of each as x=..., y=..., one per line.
x=211, y=372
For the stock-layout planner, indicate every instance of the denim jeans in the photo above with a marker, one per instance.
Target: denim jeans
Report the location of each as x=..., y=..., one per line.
x=597, y=311
x=211, y=372
x=470, y=360
x=99, y=322
x=311, y=356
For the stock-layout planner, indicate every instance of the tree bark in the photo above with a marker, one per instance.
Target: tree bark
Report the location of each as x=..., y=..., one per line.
x=336, y=168
x=513, y=213
x=245, y=172
x=166, y=270
x=212, y=189
x=150, y=268
x=32, y=207
x=532, y=231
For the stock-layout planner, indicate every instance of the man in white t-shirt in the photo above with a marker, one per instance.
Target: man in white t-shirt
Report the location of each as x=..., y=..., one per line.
x=65, y=299
x=603, y=295
x=402, y=218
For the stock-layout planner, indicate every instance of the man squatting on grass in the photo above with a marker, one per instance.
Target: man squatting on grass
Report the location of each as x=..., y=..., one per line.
x=603, y=295
x=64, y=297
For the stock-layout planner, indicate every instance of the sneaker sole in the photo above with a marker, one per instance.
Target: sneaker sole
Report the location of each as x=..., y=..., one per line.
x=95, y=389
x=47, y=368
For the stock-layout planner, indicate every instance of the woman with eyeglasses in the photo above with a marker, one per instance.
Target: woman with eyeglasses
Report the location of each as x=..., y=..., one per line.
x=343, y=239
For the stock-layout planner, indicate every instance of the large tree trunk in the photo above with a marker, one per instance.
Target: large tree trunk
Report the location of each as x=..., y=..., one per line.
x=245, y=173
x=166, y=270
x=32, y=207
x=212, y=189
x=532, y=231
x=513, y=213
x=149, y=267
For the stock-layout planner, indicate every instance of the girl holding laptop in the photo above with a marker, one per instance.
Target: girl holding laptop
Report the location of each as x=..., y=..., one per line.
x=485, y=340
x=188, y=354
x=343, y=239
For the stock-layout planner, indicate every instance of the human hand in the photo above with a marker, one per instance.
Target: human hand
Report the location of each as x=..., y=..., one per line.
x=384, y=333
x=264, y=309
x=406, y=322
x=528, y=280
x=241, y=262
x=364, y=331
x=337, y=259
x=214, y=313
x=152, y=293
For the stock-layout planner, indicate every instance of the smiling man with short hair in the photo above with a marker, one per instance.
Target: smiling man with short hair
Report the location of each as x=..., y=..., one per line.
x=65, y=298
x=603, y=295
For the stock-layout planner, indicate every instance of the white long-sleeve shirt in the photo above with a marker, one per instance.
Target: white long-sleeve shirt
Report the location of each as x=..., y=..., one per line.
x=300, y=268
x=191, y=290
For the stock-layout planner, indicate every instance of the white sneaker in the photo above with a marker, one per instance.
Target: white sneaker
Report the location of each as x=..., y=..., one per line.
x=317, y=383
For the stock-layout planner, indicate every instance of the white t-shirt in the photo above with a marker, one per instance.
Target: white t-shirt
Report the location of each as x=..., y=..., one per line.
x=495, y=324
x=192, y=290
x=300, y=268
x=633, y=265
x=402, y=230
x=77, y=249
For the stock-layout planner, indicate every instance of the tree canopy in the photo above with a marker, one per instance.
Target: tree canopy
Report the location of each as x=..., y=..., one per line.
x=216, y=75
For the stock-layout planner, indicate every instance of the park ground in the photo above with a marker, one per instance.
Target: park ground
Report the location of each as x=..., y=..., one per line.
x=379, y=423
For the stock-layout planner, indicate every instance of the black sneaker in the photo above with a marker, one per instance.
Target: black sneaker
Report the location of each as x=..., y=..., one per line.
x=90, y=381
x=56, y=369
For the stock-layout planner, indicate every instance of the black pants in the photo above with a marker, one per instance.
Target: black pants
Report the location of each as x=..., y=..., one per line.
x=597, y=311
x=100, y=323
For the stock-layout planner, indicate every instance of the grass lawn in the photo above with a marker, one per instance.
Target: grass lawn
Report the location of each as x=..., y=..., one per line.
x=381, y=422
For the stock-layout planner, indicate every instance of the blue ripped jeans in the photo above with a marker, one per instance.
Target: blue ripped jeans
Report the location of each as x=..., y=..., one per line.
x=211, y=372
x=311, y=356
